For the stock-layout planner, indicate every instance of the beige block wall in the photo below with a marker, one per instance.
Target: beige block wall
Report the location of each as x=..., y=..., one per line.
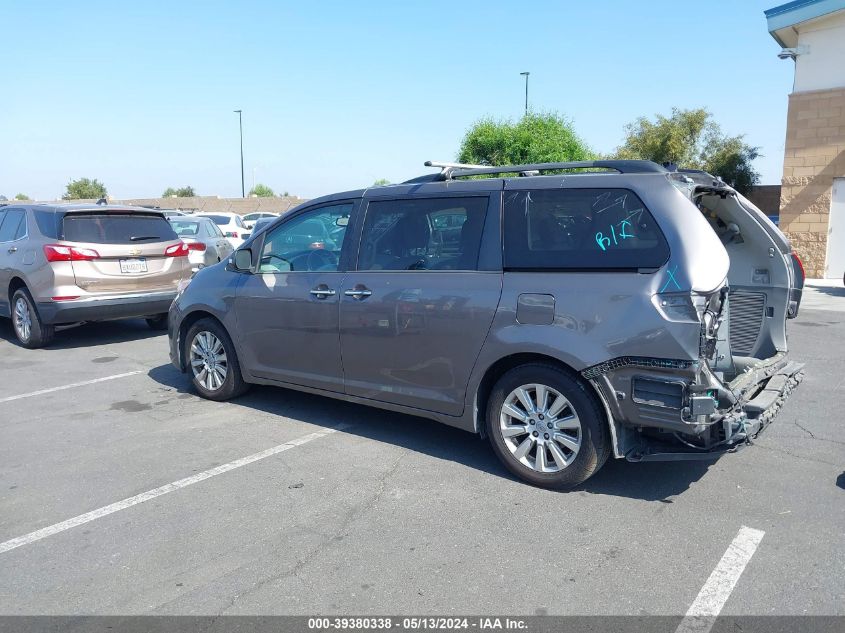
x=814, y=156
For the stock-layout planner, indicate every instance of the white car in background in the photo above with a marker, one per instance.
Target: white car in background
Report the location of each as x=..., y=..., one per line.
x=231, y=224
x=251, y=218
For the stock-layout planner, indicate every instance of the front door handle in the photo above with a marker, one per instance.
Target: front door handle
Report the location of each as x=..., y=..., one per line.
x=14, y=249
x=359, y=293
x=323, y=292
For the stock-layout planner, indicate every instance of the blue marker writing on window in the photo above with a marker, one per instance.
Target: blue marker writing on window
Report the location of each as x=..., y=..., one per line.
x=605, y=242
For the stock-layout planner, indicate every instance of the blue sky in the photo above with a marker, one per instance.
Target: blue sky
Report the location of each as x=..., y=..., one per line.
x=338, y=94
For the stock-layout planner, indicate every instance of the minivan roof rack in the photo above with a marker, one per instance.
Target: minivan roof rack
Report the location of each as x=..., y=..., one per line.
x=533, y=169
x=450, y=171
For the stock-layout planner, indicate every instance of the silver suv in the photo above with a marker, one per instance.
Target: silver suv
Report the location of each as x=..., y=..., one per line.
x=68, y=263
x=567, y=317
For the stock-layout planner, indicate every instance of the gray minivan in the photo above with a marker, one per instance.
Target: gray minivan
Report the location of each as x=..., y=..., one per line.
x=565, y=315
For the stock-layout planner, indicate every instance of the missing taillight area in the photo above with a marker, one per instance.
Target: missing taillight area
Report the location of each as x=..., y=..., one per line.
x=62, y=253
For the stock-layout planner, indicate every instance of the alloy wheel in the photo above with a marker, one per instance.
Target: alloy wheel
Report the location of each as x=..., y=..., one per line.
x=208, y=360
x=23, y=319
x=540, y=428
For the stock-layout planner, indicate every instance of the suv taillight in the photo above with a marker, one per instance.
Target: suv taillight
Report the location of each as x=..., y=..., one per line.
x=195, y=246
x=60, y=253
x=177, y=250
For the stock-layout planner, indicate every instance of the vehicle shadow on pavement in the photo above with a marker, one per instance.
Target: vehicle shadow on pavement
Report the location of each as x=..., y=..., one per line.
x=647, y=481
x=90, y=334
x=833, y=291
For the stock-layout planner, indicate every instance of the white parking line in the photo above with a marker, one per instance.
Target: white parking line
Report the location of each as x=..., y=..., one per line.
x=26, y=539
x=41, y=392
x=715, y=593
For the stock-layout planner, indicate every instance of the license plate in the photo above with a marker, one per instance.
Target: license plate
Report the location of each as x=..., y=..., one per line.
x=129, y=266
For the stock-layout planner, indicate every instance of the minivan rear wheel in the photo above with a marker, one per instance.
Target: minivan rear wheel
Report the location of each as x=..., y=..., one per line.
x=212, y=361
x=546, y=427
x=30, y=331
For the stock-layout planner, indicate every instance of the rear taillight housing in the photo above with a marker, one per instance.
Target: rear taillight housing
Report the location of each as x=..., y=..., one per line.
x=195, y=246
x=177, y=250
x=61, y=253
x=800, y=266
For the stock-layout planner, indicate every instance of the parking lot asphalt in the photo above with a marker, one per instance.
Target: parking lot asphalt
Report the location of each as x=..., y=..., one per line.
x=390, y=515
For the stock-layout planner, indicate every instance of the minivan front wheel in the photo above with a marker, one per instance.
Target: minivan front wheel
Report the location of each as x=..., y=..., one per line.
x=213, y=362
x=30, y=331
x=546, y=427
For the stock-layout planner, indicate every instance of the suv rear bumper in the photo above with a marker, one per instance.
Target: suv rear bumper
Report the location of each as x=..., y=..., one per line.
x=113, y=307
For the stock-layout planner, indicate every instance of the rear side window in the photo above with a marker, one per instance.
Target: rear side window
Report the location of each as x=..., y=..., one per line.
x=423, y=234
x=49, y=223
x=582, y=229
x=12, y=225
x=117, y=228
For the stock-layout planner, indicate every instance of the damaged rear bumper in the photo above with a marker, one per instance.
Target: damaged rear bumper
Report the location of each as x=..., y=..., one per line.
x=650, y=431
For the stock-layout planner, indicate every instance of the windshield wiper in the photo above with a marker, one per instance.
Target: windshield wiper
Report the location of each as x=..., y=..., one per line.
x=138, y=238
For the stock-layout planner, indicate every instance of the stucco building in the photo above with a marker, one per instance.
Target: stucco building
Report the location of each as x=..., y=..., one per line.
x=812, y=206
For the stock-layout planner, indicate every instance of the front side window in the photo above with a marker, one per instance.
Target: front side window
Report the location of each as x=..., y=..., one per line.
x=309, y=242
x=423, y=234
x=580, y=229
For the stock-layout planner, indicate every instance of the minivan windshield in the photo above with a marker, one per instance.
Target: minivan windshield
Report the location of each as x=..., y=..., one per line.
x=116, y=228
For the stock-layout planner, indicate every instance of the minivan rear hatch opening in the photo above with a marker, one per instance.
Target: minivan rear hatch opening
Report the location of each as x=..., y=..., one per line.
x=122, y=251
x=744, y=343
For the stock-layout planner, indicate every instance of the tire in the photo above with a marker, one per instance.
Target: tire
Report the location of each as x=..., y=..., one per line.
x=201, y=344
x=30, y=331
x=158, y=322
x=573, y=448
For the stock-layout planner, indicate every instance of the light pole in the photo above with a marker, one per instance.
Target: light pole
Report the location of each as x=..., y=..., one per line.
x=241, y=125
x=525, y=74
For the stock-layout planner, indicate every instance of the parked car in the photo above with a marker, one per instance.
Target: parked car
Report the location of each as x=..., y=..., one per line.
x=172, y=213
x=63, y=264
x=251, y=218
x=231, y=224
x=205, y=240
x=261, y=224
x=632, y=312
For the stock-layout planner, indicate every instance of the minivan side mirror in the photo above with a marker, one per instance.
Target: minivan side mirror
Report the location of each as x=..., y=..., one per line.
x=243, y=259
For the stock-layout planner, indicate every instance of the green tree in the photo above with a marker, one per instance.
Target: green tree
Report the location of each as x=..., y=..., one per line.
x=181, y=192
x=22, y=196
x=692, y=139
x=538, y=137
x=85, y=189
x=381, y=182
x=262, y=191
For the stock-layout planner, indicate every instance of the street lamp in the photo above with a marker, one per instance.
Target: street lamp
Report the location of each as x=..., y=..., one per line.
x=241, y=125
x=525, y=74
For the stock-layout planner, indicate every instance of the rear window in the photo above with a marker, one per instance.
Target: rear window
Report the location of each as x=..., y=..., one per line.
x=222, y=220
x=582, y=229
x=117, y=228
x=183, y=227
